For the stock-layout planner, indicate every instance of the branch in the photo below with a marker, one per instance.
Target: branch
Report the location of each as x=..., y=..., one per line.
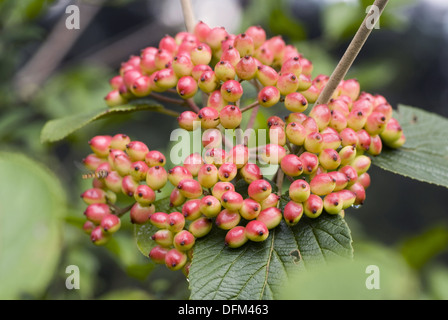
x=350, y=55
x=187, y=11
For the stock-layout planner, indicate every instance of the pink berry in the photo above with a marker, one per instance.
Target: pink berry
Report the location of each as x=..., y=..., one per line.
x=292, y=213
x=236, y=237
x=256, y=231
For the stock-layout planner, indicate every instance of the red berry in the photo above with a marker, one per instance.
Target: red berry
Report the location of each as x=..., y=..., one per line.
x=208, y=175
x=291, y=165
x=175, y=259
x=226, y=219
x=200, y=227
x=246, y=68
x=256, y=231
x=158, y=253
x=98, y=236
x=271, y=217
x=96, y=212
x=187, y=87
x=210, y=206
x=94, y=195
x=251, y=172
x=236, y=237
x=190, y=188
x=230, y=117
x=159, y=220
x=250, y=209
x=110, y=223
x=183, y=240
x=140, y=214
x=259, y=190
x=231, y=90
x=299, y=190
x=227, y=172
x=292, y=213
x=268, y=96
x=156, y=177
x=313, y=206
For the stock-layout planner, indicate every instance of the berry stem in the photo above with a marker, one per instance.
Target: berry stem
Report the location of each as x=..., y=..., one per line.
x=192, y=105
x=252, y=105
x=350, y=55
x=166, y=99
x=253, y=116
x=119, y=212
x=187, y=11
x=280, y=176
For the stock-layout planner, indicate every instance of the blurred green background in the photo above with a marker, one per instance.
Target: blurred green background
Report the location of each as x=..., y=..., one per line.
x=48, y=71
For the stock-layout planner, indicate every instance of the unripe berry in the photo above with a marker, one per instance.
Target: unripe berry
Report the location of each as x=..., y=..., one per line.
x=144, y=195
x=187, y=119
x=94, y=195
x=267, y=75
x=277, y=46
x=184, y=240
x=200, y=227
x=251, y=172
x=299, y=190
x=259, y=190
x=364, y=180
x=239, y=155
x=350, y=173
x=310, y=125
x=92, y=161
x=137, y=150
x=347, y=154
x=226, y=219
x=385, y=109
x=140, y=214
x=273, y=153
x=333, y=203
x=340, y=180
x=350, y=88
x=176, y=221
x=168, y=43
x=364, y=140
x=100, y=145
x=257, y=34
x=175, y=259
x=230, y=117
x=232, y=200
x=165, y=79
x=202, y=54
x=256, y=231
x=322, y=184
x=159, y=220
x=361, y=164
x=275, y=121
x=310, y=162
x=271, y=217
x=129, y=76
x=139, y=170
x=208, y=81
x=348, y=198
x=96, y=212
x=224, y=70
x=338, y=121
x=110, y=223
x=190, y=188
x=193, y=163
x=296, y=102
x=156, y=177
x=227, y=172
x=268, y=96
x=115, y=82
x=210, y=206
x=158, y=253
x=244, y=44
x=114, y=98
x=199, y=70
x=201, y=31
x=339, y=105
x=147, y=62
x=292, y=213
x=287, y=83
x=141, y=86
x=376, y=145
x=211, y=138
x=236, y=237
x=277, y=135
x=191, y=209
x=296, y=133
x=359, y=192
x=155, y=158
x=215, y=156
x=222, y=187
x=88, y=227
x=129, y=185
x=329, y=159
x=231, y=55
x=305, y=83
x=119, y=142
x=250, y=209
x=231, y=90
x=177, y=174
x=98, y=236
x=270, y=201
x=291, y=165
x=356, y=119
x=163, y=237
x=392, y=132
x=349, y=137
x=246, y=68
x=313, y=206
x=209, y=117
x=322, y=115
x=216, y=101
x=375, y=123
x=215, y=36
x=187, y=87
x=208, y=175
x=162, y=58
x=176, y=198
x=313, y=142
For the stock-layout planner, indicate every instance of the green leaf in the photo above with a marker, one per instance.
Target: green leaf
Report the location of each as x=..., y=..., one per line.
x=260, y=270
x=33, y=204
x=55, y=130
x=424, y=156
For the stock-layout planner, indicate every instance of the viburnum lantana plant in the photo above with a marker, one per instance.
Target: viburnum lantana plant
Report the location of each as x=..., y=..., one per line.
x=321, y=153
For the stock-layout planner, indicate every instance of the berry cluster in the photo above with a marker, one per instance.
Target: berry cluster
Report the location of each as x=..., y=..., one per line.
x=325, y=153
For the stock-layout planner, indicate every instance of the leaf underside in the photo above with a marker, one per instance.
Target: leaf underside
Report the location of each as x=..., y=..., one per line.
x=424, y=156
x=58, y=129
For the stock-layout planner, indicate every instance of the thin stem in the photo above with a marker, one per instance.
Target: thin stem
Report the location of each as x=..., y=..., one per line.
x=119, y=212
x=350, y=54
x=187, y=11
x=252, y=105
x=169, y=112
x=167, y=99
x=193, y=106
x=253, y=116
x=280, y=176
